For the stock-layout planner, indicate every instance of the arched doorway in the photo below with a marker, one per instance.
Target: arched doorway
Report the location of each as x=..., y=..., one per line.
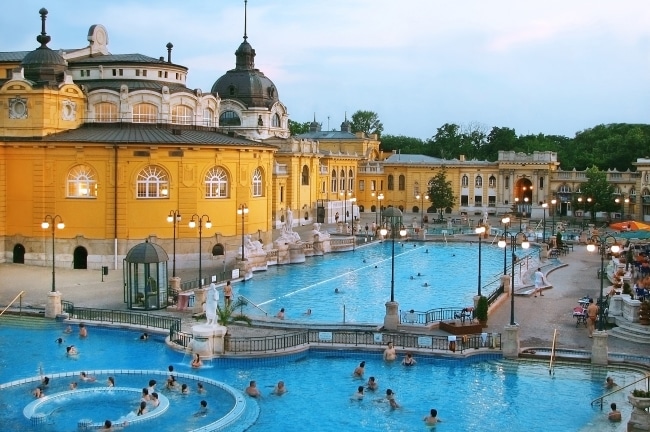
x=218, y=250
x=80, y=258
x=524, y=196
x=19, y=254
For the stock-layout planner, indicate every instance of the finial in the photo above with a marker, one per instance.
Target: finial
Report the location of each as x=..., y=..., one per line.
x=245, y=4
x=43, y=38
x=169, y=51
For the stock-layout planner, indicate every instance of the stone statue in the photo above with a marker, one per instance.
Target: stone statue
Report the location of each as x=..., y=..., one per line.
x=253, y=247
x=211, y=302
x=288, y=227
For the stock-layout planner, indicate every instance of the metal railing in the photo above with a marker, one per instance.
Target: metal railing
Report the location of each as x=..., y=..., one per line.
x=122, y=317
x=19, y=296
x=601, y=398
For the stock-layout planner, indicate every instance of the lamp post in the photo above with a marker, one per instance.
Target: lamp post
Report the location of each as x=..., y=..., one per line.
x=518, y=211
x=51, y=221
x=243, y=211
x=554, y=203
x=175, y=218
x=513, y=247
x=208, y=225
x=525, y=206
x=394, y=216
x=544, y=206
x=422, y=198
x=380, y=198
x=600, y=242
x=480, y=231
x=506, y=223
x=627, y=204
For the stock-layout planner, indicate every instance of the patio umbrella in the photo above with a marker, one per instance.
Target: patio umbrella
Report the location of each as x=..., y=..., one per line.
x=629, y=226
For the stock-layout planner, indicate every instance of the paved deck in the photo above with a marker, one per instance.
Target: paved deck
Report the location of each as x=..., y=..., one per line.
x=572, y=276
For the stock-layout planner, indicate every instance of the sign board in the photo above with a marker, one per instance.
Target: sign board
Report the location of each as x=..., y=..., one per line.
x=325, y=336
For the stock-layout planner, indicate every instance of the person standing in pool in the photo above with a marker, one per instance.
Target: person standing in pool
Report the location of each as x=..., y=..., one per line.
x=390, y=397
x=372, y=384
x=389, y=353
x=358, y=395
x=83, y=331
x=252, y=390
x=280, y=389
x=359, y=370
x=409, y=360
x=432, y=418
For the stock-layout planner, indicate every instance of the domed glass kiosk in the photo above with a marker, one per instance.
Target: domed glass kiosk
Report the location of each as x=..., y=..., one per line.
x=145, y=277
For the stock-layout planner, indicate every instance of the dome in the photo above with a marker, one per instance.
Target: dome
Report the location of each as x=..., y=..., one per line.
x=44, y=64
x=146, y=253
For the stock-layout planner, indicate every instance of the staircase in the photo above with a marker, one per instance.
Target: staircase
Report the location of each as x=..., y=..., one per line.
x=631, y=332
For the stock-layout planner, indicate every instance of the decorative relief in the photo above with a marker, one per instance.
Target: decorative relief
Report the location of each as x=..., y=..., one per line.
x=68, y=110
x=17, y=108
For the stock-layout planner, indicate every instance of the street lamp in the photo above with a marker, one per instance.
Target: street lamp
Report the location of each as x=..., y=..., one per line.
x=51, y=221
x=208, y=225
x=352, y=201
x=525, y=206
x=506, y=223
x=518, y=211
x=627, y=204
x=544, y=206
x=601, y=243
x=422, y=198
x=242, y=210
x=175, y=218
x=394, y=216
x=513, y=259
x=345, y=205
x=380, y=197
x=480, y=231
x=554, y=203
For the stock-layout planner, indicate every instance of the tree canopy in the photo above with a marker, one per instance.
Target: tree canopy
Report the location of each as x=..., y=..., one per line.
x=366, y=122
x=441, y=193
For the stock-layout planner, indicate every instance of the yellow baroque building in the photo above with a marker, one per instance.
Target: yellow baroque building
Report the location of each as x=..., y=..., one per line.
x=114, y=144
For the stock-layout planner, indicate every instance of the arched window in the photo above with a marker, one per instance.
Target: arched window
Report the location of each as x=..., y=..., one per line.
x=152, y=182
x=416, y=189
x=229, y=118
x=506, y=182
x=105, y=112
x=565, y=189
x=465, y=181
x=401, y=182
x=492, y=182
x=391, y=182
x=541, y=183
x=82, y=182
x=208, y=117
x=305, y=175
x=350, y=180
x=257, y=183
x=342, y=181
x=275, y=120
x=145, y=113
x=479, y=181
x=632, y=192
x=216, y=183
x=334, y=181
x=182, y=114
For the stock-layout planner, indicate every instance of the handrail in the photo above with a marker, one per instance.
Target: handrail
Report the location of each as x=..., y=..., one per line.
x=553, y=346
x=248, y=301
x=12, y=302
x=600, y=398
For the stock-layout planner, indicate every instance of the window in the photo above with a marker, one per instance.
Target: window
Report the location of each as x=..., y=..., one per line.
x=492, y=201
x=402, y=182
x=144, y=72
x=232, y=91
x=492, y=182
x=275, y=120
x=350, y=180
x=464, y=200
x=145, y=113
x=182, y=114
x=373, y=185
x=208, y=117
x=257, y=183
x=229, y=118
x=152, y=182
x=114, y=72
x=506, y=182
x=465, y=181
x=305, y=175
x=416, y=189
x=362, y=185
x=632, y=192
x=342, y=181
x=137, y=72
x=564, y=189
x=166, y=74
x=121, y=71
x=105, y=112
x=391, y=182
x=159, y=74
x=541, y=183
x=479, y=181
x=478, y=200
x=82, y=182
x=216, y=183
x=334, y=182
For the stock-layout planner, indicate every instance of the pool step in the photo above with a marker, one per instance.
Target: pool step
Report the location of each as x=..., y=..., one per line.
x=25, y=321
x=631, y=332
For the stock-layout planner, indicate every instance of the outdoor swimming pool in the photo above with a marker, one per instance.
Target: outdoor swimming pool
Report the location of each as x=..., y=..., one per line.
x=482, y=393
x=449, y=271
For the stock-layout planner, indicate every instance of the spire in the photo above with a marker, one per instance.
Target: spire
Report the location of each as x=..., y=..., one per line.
x=245, y=15
x=245, y=54
x=43, y=38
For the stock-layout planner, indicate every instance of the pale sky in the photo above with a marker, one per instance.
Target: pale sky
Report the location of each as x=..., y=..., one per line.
x=552, y=67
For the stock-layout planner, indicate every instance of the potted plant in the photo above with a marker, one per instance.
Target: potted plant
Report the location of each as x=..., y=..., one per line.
x=644, y=313
x=627, y=289
x=227, y=315
x=640, y=399
x=481, y=311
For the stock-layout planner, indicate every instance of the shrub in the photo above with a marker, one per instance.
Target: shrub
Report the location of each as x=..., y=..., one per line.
x=481, y=311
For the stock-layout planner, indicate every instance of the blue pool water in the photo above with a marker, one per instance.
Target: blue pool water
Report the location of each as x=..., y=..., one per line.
x=363, y=278
x=483, y=393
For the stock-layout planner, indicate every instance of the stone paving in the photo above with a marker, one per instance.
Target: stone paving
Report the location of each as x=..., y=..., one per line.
x=573, y=276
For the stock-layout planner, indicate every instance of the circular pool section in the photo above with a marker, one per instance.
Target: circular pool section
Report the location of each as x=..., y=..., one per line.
x=90, y=405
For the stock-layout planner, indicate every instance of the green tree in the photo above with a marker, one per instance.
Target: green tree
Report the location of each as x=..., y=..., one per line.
x=599, y=190
x=403, y=143
x=441, y=193
x=366, y=122
x=296, y=128
x=447, y=142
